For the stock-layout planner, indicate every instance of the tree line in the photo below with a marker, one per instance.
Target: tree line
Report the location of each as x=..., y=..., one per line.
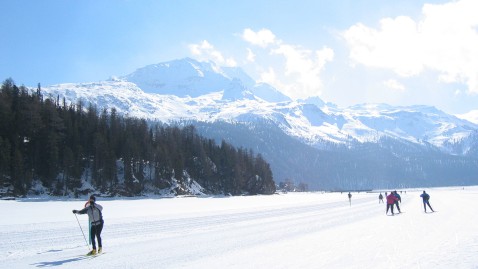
x=76, y=149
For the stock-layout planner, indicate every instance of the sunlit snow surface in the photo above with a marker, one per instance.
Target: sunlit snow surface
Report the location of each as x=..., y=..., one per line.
x=294, y=230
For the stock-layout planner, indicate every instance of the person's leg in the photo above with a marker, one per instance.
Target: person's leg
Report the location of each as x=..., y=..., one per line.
x=93, y=235
x=98, y=234
x=428, y=203
x=398, y=207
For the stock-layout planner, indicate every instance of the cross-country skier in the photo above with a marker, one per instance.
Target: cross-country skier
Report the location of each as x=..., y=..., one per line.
x=95, y=218
x=399, y=199
x=391, y=198
x=350, y=198
x=380, y=198
x=426, y=202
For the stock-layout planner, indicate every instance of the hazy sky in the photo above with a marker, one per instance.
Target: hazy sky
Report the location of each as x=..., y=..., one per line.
x=347, y=52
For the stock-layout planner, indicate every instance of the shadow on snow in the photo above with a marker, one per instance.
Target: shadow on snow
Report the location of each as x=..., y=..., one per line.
x=60, y=262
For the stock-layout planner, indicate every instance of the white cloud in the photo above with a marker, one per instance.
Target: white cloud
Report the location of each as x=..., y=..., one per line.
x=262, y=38
x=471, y=116
x=445, y=40
x=394, y=85
x=251, y=57
x=295, y=70
x=204, y=51
x=394, y=46
x=292, y=69
x=303, y=67
x=270, y=77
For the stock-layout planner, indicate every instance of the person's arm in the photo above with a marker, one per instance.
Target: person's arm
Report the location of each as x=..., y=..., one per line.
x=83, y=211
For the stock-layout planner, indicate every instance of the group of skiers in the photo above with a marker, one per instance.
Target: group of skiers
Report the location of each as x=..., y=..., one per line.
x=393, y=199
x=95, y=215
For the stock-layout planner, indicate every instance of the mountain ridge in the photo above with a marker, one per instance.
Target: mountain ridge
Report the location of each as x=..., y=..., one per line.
x=188, y=90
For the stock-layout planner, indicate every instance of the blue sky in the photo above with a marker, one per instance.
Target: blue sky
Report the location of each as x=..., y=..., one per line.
x=347, y=52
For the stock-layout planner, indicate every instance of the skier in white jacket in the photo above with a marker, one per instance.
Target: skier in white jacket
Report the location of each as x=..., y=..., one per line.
x=95, y=217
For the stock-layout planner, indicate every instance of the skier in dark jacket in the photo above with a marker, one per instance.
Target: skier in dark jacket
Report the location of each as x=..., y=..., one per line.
x=391, y=198
x=399, y=199
x=95, y=218
x=380, y=198
x=426, y=202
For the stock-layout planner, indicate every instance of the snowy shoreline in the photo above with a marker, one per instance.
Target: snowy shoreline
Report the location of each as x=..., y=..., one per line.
x=47, y=198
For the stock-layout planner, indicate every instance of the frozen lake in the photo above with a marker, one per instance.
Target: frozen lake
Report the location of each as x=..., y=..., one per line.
x=294, y=230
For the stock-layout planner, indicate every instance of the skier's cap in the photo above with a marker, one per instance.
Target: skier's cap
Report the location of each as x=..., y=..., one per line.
x=92, y=198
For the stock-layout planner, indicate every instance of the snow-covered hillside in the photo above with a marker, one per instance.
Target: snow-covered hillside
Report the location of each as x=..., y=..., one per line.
x=188, y=89
x=295, y=230
x=366, y=146
x=413, y=123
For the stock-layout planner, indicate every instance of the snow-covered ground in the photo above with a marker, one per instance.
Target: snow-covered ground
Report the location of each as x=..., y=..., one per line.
x=295, y=230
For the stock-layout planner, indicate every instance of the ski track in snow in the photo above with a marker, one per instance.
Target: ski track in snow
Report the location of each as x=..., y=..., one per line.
x=308, y=230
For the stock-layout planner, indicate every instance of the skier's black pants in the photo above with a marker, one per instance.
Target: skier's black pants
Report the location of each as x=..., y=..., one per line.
x=390, y=206
x=398, y=208
x=96, y=232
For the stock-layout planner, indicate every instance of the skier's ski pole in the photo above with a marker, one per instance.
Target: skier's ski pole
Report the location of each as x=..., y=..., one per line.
x=82, y=232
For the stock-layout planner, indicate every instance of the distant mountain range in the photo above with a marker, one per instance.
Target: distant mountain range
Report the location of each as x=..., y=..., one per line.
x=358, y=147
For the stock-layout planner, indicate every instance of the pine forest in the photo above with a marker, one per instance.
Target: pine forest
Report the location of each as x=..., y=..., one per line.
x=74, y=149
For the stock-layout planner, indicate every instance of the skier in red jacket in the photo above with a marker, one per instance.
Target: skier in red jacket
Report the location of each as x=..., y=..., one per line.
x=391, y=199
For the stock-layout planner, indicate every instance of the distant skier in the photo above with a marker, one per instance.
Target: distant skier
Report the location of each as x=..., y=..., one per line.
x=399, y=199
x=350, y=198
x=426, y=201
x=95, y=218
x=391, y=198
x=380, y=198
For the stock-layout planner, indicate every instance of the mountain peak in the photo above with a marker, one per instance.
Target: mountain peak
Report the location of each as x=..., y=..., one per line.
x=184, y=77
x=189, y=77
x=314, y=100
x=236, y=91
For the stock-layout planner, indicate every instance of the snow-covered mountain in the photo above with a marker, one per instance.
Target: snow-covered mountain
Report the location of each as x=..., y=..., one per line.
x=188, y=77
x=203, y=91
x=189, y=90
